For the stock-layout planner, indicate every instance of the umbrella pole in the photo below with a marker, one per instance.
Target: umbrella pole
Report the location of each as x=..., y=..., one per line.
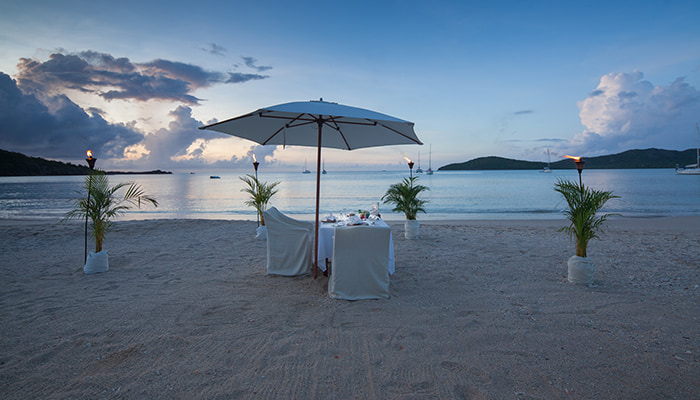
x=318, y=192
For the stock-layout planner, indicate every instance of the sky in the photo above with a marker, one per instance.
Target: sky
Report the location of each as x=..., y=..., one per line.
x=133, y=80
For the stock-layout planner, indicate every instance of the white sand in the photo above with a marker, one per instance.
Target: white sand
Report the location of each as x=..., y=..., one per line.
x=479, y=310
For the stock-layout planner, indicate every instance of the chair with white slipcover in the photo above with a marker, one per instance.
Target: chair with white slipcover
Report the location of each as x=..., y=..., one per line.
x=360, y=263
x=289, y=244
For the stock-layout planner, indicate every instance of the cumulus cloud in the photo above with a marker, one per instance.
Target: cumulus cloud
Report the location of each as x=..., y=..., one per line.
x=119, y=78
x=39, y=118
x=182, y=145
x=626, y=112
x=29, y=126
x=173, y=140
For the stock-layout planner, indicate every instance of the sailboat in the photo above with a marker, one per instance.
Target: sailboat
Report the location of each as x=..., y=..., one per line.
x=419, y=170
x=430, y=161
x=323, y=171
x=692, y=169
x=305, y=171
x=548, y=168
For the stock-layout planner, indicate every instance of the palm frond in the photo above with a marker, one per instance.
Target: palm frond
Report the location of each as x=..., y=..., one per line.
x=260, y=193
x=404, y=197
x=584, y=204
x=103, y=204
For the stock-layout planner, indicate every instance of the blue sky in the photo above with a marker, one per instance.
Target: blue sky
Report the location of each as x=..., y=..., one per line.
x=133, y=80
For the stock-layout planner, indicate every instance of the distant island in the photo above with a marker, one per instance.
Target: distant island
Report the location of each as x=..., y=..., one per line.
x=17, y=164
x=631, y=159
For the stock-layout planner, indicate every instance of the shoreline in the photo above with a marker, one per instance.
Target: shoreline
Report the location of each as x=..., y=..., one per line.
x=685, y=223
x=478, y=309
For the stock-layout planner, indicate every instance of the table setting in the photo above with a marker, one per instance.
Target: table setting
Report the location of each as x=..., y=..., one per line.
x=359, y=218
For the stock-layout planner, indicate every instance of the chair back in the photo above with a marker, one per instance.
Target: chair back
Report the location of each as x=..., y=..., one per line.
x=360, y=268
x=289, y=244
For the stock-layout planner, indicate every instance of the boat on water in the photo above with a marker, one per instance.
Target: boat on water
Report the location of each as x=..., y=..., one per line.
x=323, y=171
x=419, y=170
x=692, y=169
x=214, y=177
x=430, y=161
x=548, y=168
x=305, y=171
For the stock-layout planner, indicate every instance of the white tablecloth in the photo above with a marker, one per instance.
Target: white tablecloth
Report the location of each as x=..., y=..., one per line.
x=325, y=244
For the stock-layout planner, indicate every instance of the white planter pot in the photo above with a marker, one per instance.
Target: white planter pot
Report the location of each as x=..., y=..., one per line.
x=261, y=233
x=581, y=270
x=412, y=228
x=96, y=262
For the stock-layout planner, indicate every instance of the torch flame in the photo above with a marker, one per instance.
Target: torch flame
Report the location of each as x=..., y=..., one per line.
x=577, y=159
x=407, y=159
x=89, y=153
x=254, y=159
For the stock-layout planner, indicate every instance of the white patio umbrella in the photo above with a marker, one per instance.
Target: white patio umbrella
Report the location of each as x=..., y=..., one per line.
x=319, y=124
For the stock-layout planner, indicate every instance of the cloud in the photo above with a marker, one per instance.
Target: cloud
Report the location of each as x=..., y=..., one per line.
x=627, y=112
x=39, y=118
x=262, y=153
x=215, y=49
x=182, y=145
x=174, y=140
x=545, y=140
x=251, y=63
x=507, y=120
x=237, y=77
x=121, y=79
x=62, y=130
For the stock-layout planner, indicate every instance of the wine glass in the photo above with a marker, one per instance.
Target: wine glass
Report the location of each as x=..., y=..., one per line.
x=374, y=211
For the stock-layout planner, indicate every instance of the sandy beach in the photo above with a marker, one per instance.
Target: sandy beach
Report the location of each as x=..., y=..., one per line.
x=478, y=310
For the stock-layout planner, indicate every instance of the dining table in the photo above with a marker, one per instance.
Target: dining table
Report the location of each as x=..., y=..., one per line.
x=326, y=234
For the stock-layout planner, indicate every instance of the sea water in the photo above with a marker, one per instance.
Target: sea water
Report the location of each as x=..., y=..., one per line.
x=452, y=195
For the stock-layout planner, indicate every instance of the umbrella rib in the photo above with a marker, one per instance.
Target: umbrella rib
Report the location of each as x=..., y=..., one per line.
x=297, y=118
x=340, y=131
x=287, y=125
x=225, y=121
x=399, y=133
x=369, y=122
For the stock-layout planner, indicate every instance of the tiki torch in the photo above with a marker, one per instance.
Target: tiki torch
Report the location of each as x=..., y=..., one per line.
x=410, y=165
x=579, y=166
x=255, y=166
x=91, y=163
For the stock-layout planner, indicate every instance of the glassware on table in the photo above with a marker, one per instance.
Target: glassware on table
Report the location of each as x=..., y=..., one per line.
x=374, y=212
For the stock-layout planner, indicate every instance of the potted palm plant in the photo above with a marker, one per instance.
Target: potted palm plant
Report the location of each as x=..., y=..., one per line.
x=584, y=225
x=260, y=194
x=101, y=206
x=404, y=197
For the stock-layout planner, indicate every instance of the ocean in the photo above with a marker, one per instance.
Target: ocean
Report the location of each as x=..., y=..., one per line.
x=452, y=195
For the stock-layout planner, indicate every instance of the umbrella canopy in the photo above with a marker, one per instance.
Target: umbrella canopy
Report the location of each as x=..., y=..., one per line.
x=296, y=124
x=319, y=124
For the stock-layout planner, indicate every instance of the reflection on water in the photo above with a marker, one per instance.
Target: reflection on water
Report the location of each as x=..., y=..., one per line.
x=452, y=195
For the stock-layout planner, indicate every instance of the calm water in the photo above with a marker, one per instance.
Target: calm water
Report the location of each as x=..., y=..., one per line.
x=452, y=195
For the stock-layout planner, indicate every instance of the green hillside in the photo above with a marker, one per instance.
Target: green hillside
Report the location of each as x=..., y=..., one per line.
x=631, y=159
x=17, y=164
